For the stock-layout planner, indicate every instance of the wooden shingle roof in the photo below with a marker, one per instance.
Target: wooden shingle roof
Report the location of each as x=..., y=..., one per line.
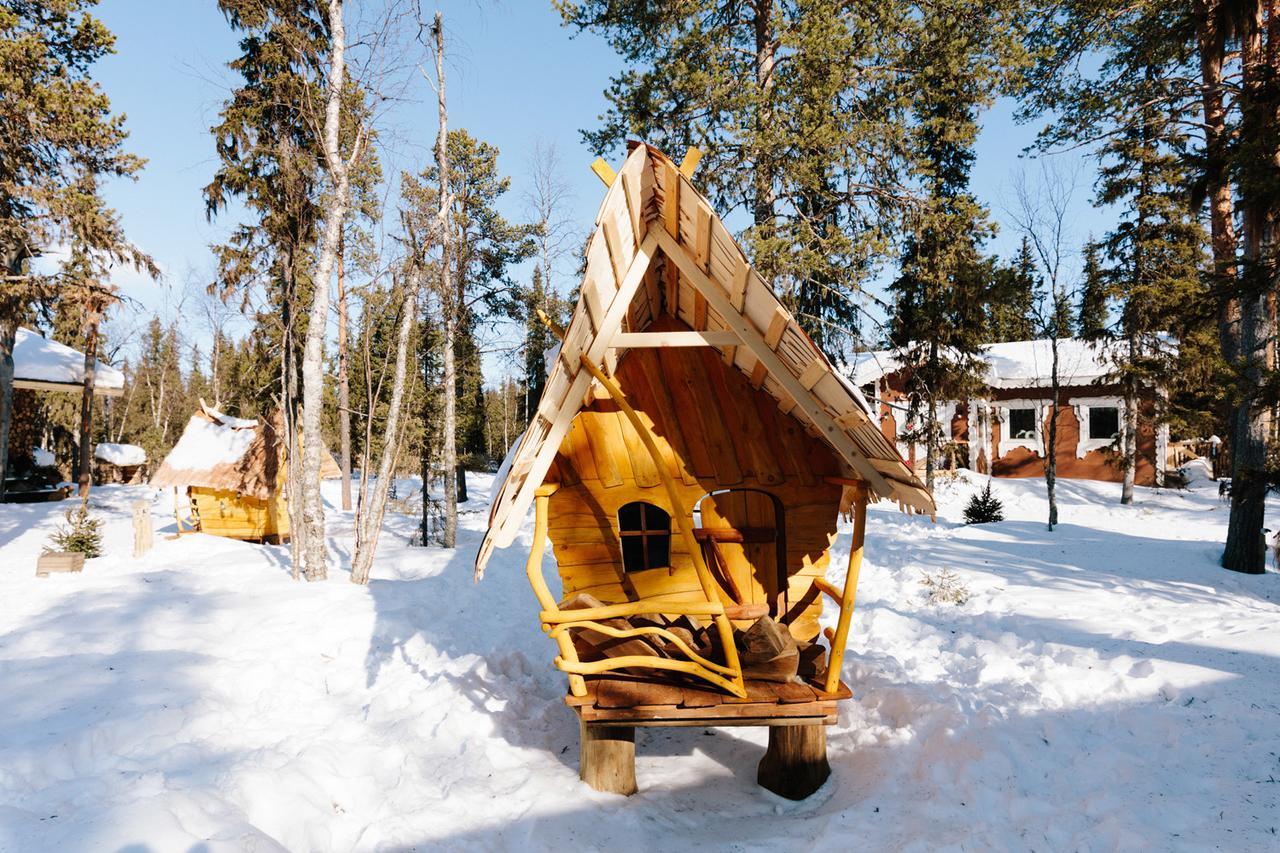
x=658, y=248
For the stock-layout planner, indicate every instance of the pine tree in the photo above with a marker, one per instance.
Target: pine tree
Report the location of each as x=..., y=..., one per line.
x=984, y=508
x=940, y=294
x=797, y=108
x=58, y=138
x=1013, y=296
x=1091, y=319
x=1155, y=252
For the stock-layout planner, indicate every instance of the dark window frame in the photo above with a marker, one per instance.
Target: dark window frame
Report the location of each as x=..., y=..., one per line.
x=1015, y=433
x=653, y=535
x=1096, y=410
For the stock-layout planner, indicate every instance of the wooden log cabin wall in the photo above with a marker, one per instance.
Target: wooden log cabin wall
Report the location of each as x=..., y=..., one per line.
x=689, y=459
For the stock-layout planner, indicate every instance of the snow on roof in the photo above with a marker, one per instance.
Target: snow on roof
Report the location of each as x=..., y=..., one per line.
x=211, y=440
x=38, y=359
x=1015, y=364
x=120, y=454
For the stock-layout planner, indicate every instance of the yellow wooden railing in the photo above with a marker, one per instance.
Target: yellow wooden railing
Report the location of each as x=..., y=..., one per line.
x=845, y=597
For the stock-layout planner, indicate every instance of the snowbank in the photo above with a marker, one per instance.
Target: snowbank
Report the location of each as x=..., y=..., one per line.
x=1106, y=687
x=120, y=454
x=38, y=359
x=43, y=458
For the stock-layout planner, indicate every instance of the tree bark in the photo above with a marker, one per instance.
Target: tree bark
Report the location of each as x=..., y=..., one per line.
x=344, y=386
x=766, y=59
x=8, y=337
x=1245, y=549
x=1051, y=451
x=85, y=474
x=313, y=353
x=1129, y=436
x=1212, y=48
x=369, y=519
x=450, y=309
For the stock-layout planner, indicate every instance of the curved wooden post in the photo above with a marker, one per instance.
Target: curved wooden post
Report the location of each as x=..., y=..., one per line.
x=848, y=593
x=723, y=626
x=533, y=568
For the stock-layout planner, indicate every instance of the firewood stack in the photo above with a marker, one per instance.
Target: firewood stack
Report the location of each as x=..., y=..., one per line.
x=766, y=649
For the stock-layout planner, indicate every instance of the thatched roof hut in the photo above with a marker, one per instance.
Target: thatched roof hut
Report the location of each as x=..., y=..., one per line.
x=217, y=451
x=233, y=471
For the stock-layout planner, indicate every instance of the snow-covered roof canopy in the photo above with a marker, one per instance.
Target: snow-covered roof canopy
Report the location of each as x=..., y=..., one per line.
x=659, y=249
x=1017, y=364
x=120, y=454
x=42, y=364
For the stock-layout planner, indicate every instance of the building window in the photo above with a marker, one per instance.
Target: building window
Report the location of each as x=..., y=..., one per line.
x=645, y=531
x=1022, y=423
x=869, y=392
x=1104, y=423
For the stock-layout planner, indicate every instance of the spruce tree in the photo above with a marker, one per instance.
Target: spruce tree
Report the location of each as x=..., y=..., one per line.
x=1154, y=253
x=1012, y=299
x=940, y=295
x=58, y=139
x=1091, y=318
x=798, y=109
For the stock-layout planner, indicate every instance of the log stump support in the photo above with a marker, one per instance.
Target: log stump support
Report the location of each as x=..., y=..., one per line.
x=795, y=764
x=607, y=760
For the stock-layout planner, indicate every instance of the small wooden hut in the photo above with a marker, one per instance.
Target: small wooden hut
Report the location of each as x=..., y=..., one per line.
x=232, y=474
x=119, y=463
x=688, y=461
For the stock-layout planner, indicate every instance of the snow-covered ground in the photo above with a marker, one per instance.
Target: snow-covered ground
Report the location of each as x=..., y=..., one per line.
x=1106, y=687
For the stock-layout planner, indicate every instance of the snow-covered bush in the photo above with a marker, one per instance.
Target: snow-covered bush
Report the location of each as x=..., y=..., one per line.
x=945, y=587
x=81, y=534
x=984, y=508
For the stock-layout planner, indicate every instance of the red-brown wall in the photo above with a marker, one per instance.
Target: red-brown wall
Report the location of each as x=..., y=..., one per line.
x=1021, y=462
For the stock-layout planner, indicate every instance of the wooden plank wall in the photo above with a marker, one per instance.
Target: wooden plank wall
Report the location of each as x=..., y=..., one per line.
x=231, y=514
x=714, y=431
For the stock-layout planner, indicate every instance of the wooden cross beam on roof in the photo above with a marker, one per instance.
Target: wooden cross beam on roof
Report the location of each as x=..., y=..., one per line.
x=752, y=339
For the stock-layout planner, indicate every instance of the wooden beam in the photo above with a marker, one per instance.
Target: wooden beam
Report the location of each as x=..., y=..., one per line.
x=561, y=419
x=636, y=340
x=752, y=339
x=604, y=171
x=692, y=157
x=65, y=387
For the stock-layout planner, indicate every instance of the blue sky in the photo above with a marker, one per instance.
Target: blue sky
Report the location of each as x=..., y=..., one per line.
x=515, y=76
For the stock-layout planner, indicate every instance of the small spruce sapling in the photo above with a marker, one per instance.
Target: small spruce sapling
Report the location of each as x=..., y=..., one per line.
x=81, y=534
x=984, y=508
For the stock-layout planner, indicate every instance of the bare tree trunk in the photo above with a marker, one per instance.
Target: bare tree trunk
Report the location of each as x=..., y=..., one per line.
x=8, y=336
x=313, y=353
x=1051, y=451
x=450, y=310
x=85, y=474
x=1246, y=548
x=1129, y=438
x=344, y=386
x=1212, y=46
x=369, y=519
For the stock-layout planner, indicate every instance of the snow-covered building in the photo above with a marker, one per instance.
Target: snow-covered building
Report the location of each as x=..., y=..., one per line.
x=119, y=463
x=1004, y=431
x=229, y=476
x=42, y=365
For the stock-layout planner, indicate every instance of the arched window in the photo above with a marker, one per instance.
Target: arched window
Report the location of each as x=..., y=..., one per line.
x=646, y=537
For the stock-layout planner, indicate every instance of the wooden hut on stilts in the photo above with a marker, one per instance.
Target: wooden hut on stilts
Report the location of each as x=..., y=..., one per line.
x=688, y=462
